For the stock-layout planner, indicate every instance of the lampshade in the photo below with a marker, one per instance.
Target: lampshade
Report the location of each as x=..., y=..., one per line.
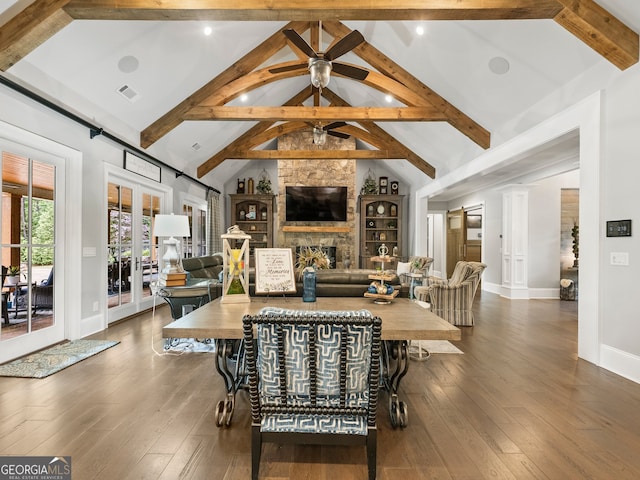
x=171, y=226
x=320, y=72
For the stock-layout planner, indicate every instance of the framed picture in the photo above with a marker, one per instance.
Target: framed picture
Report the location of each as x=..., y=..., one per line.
x=274, y=271
x=138, y=165
x=252, y=214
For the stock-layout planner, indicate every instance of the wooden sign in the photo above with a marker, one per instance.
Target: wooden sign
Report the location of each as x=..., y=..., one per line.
x=274, y=271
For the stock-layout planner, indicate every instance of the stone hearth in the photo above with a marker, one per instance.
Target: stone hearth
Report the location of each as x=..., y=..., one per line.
x=342, y=235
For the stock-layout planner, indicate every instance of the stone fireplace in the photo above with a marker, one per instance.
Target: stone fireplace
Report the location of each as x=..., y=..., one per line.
x=341, y=235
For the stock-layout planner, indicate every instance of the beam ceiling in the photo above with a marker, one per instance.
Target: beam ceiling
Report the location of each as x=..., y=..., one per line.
x=585, y=19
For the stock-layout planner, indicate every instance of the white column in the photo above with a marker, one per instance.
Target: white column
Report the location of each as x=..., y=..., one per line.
x=515, y=242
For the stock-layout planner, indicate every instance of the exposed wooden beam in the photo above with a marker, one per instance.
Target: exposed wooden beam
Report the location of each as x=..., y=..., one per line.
x=317, y=114
x=603, y=32
x=30, y=28
x=246, y=64
x=244, y=140
x=315, y=154
x=312, y=10
x=380, y=135
x=391, y=69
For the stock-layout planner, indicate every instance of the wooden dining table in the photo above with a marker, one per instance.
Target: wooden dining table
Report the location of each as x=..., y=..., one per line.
x=402, y=320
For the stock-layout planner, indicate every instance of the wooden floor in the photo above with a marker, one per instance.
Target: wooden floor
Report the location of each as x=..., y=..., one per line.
x=517, y=405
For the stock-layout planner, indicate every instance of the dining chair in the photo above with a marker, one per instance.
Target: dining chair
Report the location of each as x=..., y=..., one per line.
x=313, y=379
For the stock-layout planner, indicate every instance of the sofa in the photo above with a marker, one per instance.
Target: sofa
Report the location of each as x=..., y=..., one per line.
x=329, y=283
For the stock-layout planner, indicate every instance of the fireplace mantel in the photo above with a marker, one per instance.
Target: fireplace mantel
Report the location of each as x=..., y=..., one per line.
x=315, y=229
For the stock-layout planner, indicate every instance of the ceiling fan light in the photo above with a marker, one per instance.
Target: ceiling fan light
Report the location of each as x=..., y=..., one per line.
x=319, y=136
x=320, y=71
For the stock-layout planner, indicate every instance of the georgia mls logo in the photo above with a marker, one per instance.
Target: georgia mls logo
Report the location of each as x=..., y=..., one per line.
x=35, y=468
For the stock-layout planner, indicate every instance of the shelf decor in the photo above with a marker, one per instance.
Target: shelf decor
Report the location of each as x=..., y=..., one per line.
x=264, y=183
x=370, y=185
x=235, y=256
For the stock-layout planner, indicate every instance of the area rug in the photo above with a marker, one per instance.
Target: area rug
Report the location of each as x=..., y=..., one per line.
x=52, y=360
x=421, y=349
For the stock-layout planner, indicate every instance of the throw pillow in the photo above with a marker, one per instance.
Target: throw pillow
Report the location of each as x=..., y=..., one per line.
x=403, y=267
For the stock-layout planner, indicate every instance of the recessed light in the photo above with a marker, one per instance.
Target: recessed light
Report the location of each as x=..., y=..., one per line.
x=244, y=97
x=388, y=98
x=128, y=64
x=208, y=30
x=420, y=30
x=499, y=65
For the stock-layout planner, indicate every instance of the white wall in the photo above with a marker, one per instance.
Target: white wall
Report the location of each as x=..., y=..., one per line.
x=17, y=110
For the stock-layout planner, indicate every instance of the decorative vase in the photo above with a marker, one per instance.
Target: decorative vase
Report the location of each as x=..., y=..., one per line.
x=309, y=285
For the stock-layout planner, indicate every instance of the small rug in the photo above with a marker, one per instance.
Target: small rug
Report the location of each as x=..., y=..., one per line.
x=52, y=360
x=421, y=349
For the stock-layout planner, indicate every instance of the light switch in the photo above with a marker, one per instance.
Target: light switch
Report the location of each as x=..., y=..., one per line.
x=619, y=258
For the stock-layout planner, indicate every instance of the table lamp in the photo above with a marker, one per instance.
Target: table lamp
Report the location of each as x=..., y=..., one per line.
x=171, y=226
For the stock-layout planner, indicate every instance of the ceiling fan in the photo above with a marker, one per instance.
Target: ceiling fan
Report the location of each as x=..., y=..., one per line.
x=320, y=133
x=320, y=64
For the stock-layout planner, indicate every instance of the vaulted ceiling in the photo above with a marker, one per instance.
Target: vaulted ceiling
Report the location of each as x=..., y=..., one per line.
x=207, y=105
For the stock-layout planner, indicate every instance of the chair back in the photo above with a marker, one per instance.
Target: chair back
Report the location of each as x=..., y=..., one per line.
x=313, y=363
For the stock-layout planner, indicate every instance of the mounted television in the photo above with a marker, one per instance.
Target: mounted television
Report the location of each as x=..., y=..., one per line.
x=316, y=204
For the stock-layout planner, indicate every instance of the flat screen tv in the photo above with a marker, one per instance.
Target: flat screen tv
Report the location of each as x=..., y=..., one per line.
x=316, y=204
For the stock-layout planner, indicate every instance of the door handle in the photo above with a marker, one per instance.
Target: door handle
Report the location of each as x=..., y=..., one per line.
x=137, y=263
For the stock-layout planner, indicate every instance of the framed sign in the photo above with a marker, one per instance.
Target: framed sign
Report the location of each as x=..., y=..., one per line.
x=274, y=271
x=138, y=165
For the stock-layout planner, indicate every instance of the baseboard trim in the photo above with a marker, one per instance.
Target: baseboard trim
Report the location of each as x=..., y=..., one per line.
x=620, y=362
x=522, y=293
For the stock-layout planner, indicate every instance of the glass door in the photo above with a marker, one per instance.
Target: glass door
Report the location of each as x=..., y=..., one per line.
x=132, y=254
x=28, y=248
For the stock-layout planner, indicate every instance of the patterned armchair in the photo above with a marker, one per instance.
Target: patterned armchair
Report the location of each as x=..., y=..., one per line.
x=313, y=379
x=452, y=299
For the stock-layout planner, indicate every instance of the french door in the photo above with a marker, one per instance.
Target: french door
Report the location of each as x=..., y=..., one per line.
x=132, y=252
x=32, y=302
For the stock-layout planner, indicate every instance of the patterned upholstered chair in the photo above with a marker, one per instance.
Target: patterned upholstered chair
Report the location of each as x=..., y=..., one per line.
x=313, y=379
x=452, y=298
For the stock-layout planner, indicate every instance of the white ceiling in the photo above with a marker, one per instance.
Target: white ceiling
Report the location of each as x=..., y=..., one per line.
x=79, y=67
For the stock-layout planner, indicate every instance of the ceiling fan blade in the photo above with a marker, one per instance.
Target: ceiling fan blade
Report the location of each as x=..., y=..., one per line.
x=288, y=68
x=338, y=134
x=344, y=45
x=299, y=42
x=349, y=71
x=335, y=125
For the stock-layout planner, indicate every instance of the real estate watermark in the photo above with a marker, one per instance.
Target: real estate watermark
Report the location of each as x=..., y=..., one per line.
x=35, y=468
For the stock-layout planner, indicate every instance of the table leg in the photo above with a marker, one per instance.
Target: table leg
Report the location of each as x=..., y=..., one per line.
x=230, y=364
x=395, y=354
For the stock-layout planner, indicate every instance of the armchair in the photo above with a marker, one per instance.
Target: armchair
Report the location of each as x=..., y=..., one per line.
x=452, y=298
x=313, y=379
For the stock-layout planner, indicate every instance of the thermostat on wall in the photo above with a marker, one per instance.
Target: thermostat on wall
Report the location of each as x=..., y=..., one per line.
x=619, y=228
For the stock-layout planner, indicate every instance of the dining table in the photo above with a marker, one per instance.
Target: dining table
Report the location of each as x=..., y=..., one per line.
x=403, y=320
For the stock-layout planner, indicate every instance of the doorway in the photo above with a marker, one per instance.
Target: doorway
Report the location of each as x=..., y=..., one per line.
x=132, y=251
x=29, y=227
x=464, y=236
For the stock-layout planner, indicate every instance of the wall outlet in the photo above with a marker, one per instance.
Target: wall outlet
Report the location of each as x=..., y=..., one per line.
x=619, y=258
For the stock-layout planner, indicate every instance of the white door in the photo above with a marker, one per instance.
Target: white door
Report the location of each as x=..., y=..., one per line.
x=132, y=254
x=31, y=231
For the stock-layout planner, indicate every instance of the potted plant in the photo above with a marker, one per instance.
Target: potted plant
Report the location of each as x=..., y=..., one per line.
x=13, y=275
x=311, y=257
